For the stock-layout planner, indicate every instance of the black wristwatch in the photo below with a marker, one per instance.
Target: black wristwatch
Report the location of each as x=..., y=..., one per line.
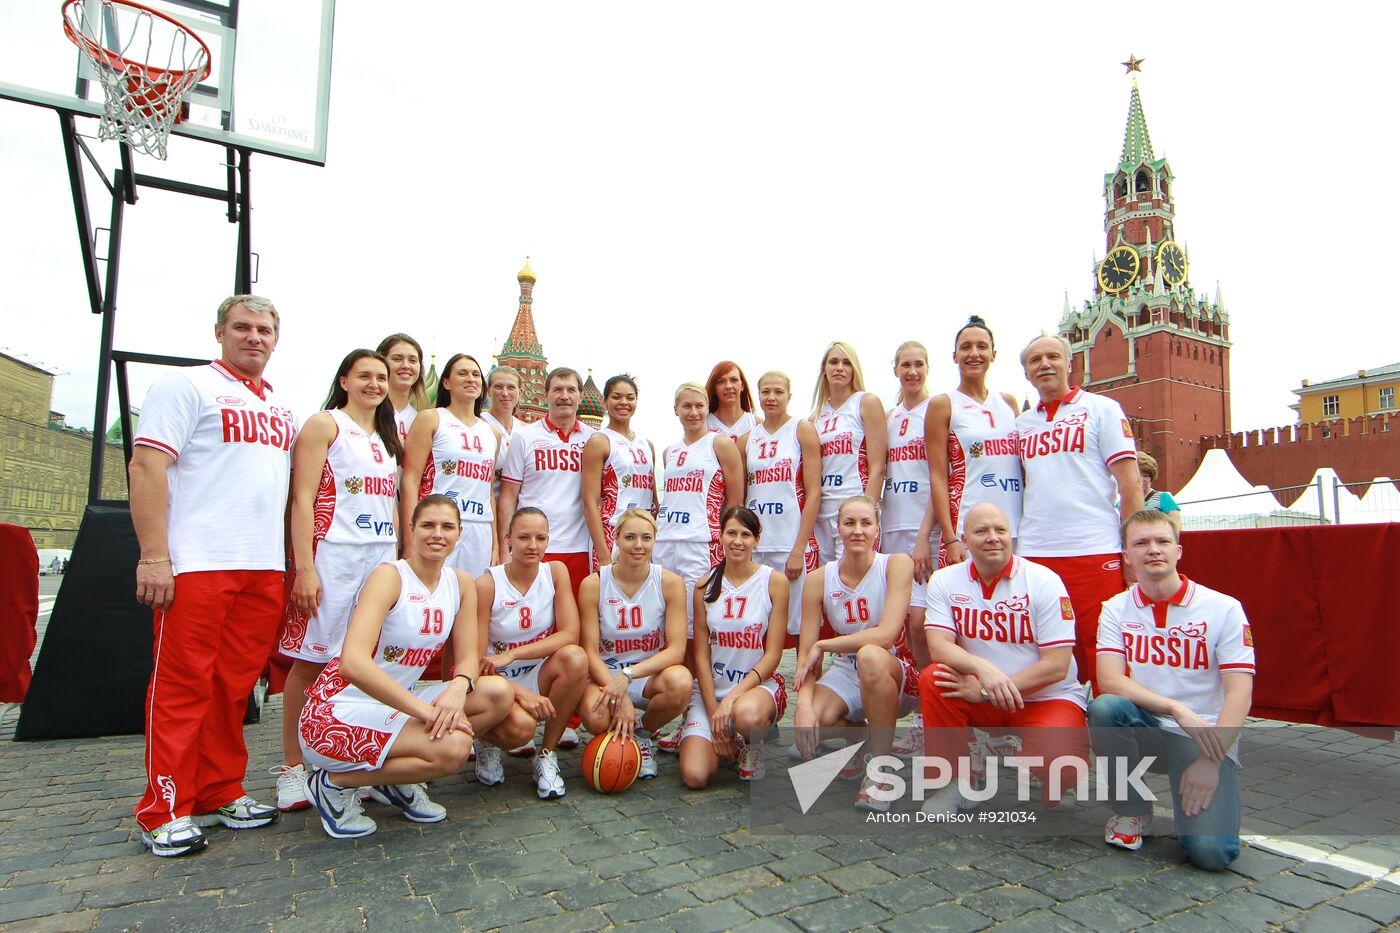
x=471, y=684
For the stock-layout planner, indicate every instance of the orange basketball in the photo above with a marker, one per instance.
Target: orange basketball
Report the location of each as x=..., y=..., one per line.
x=609, y=764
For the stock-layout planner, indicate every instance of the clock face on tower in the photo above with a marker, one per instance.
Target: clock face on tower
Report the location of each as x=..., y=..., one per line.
x=1173, y=262
x=1119, y=268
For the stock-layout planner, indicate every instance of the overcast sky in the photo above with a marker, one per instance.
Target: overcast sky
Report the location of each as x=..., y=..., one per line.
x=751, y=181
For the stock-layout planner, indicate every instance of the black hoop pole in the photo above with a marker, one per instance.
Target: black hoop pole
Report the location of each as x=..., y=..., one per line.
x=104, y=358
x=243, y=274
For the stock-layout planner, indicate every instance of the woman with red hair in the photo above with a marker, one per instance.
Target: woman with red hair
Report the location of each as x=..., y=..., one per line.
x=730, y=401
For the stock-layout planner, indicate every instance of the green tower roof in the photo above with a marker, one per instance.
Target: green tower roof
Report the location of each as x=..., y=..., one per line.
x=1137, y=143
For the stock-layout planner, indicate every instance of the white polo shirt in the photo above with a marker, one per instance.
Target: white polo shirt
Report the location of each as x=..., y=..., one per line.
x=1180, y=647
x=546, y=464
x=1026, y=610
x=228, y=485
x=1067, y=447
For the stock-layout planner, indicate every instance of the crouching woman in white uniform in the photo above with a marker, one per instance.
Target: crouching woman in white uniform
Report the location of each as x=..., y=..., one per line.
x=740, y=629
x=633, y=626
x=527, y=615
x=366, y=723
x=863, y=596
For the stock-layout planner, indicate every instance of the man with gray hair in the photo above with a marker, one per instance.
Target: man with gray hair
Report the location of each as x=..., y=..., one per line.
x=208, y=476
x=1077, y=456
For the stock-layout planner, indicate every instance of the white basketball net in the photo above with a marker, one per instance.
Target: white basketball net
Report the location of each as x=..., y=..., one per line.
x=146, y=64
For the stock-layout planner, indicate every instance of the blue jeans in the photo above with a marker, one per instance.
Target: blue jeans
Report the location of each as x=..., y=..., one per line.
x=1118, y=728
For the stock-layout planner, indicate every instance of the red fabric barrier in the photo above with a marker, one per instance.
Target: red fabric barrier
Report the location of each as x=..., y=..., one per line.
x=1325, y=638
x=19, y=610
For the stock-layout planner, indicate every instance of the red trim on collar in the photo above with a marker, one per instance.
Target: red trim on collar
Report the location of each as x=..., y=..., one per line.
x=1068, y=398
x=1159, y=609
x=257, y=389
x=554, y=429
x=1007, y=573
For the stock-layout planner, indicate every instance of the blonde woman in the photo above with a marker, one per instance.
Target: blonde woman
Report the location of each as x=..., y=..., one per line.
x=703, y=479
x=850, y=425
x=632, y=616
x=783, y=469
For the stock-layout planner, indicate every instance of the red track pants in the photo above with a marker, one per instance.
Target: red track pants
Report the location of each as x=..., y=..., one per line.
x=1091, y=580
x=1048, y=728
x=210, y=647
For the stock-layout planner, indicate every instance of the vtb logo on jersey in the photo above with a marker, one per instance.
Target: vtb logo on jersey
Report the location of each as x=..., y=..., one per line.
x=392, y=653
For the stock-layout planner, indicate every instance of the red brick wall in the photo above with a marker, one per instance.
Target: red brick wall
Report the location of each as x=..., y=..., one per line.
x=1173, y=399
x=1359, y=450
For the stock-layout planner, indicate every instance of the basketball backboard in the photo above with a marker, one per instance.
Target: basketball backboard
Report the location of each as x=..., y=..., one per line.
x=268, y=90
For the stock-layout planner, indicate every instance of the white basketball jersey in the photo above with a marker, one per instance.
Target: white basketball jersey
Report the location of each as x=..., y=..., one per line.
x=413, y=635
x=844, y=464
x=404, y=420
x=506, y=438
x=629, y=477
x=518, y=619
x=984, y=462
x=462, y=465
x=630, y=628
x=775, y=491
x=906, y=493
x=852, y=609
x=359, y=488
x=694, y=498
x=733, y=431
x=738, y=622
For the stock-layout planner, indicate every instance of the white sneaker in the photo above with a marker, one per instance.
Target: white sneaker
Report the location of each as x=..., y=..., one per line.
x=291, y=787
x=947, y=801
x=647, y=769
x=489, y=770
x=178, y=837
x=411, y=799
x=751, y=764
x=670, y=742
x=1126, y=832
x=523, y=751
x=869, y=803
x=912, y=743
x=243, y=813
x=569, y=739
x=854, y=769
x=342, y=816
x=548, y=782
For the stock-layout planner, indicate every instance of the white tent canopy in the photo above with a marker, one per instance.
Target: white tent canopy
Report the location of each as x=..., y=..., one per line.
x=1219, y=496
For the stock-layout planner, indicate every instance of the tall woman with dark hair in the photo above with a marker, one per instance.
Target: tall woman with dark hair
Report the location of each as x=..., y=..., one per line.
x=345, y=467
x=740, y=628
x=452, y=451
x=973, y=457
x=619, y=469
x=406, y=390
x=731, y=402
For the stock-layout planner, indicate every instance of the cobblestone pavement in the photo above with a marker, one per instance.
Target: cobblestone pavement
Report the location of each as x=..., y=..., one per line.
x=657, y=856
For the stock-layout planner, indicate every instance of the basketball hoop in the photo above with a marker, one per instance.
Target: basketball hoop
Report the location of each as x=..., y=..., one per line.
x=147, y=63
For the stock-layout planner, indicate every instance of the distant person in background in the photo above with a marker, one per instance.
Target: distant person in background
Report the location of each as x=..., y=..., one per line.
x=209, y=477
x=731, y=402
x=1156, y=500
